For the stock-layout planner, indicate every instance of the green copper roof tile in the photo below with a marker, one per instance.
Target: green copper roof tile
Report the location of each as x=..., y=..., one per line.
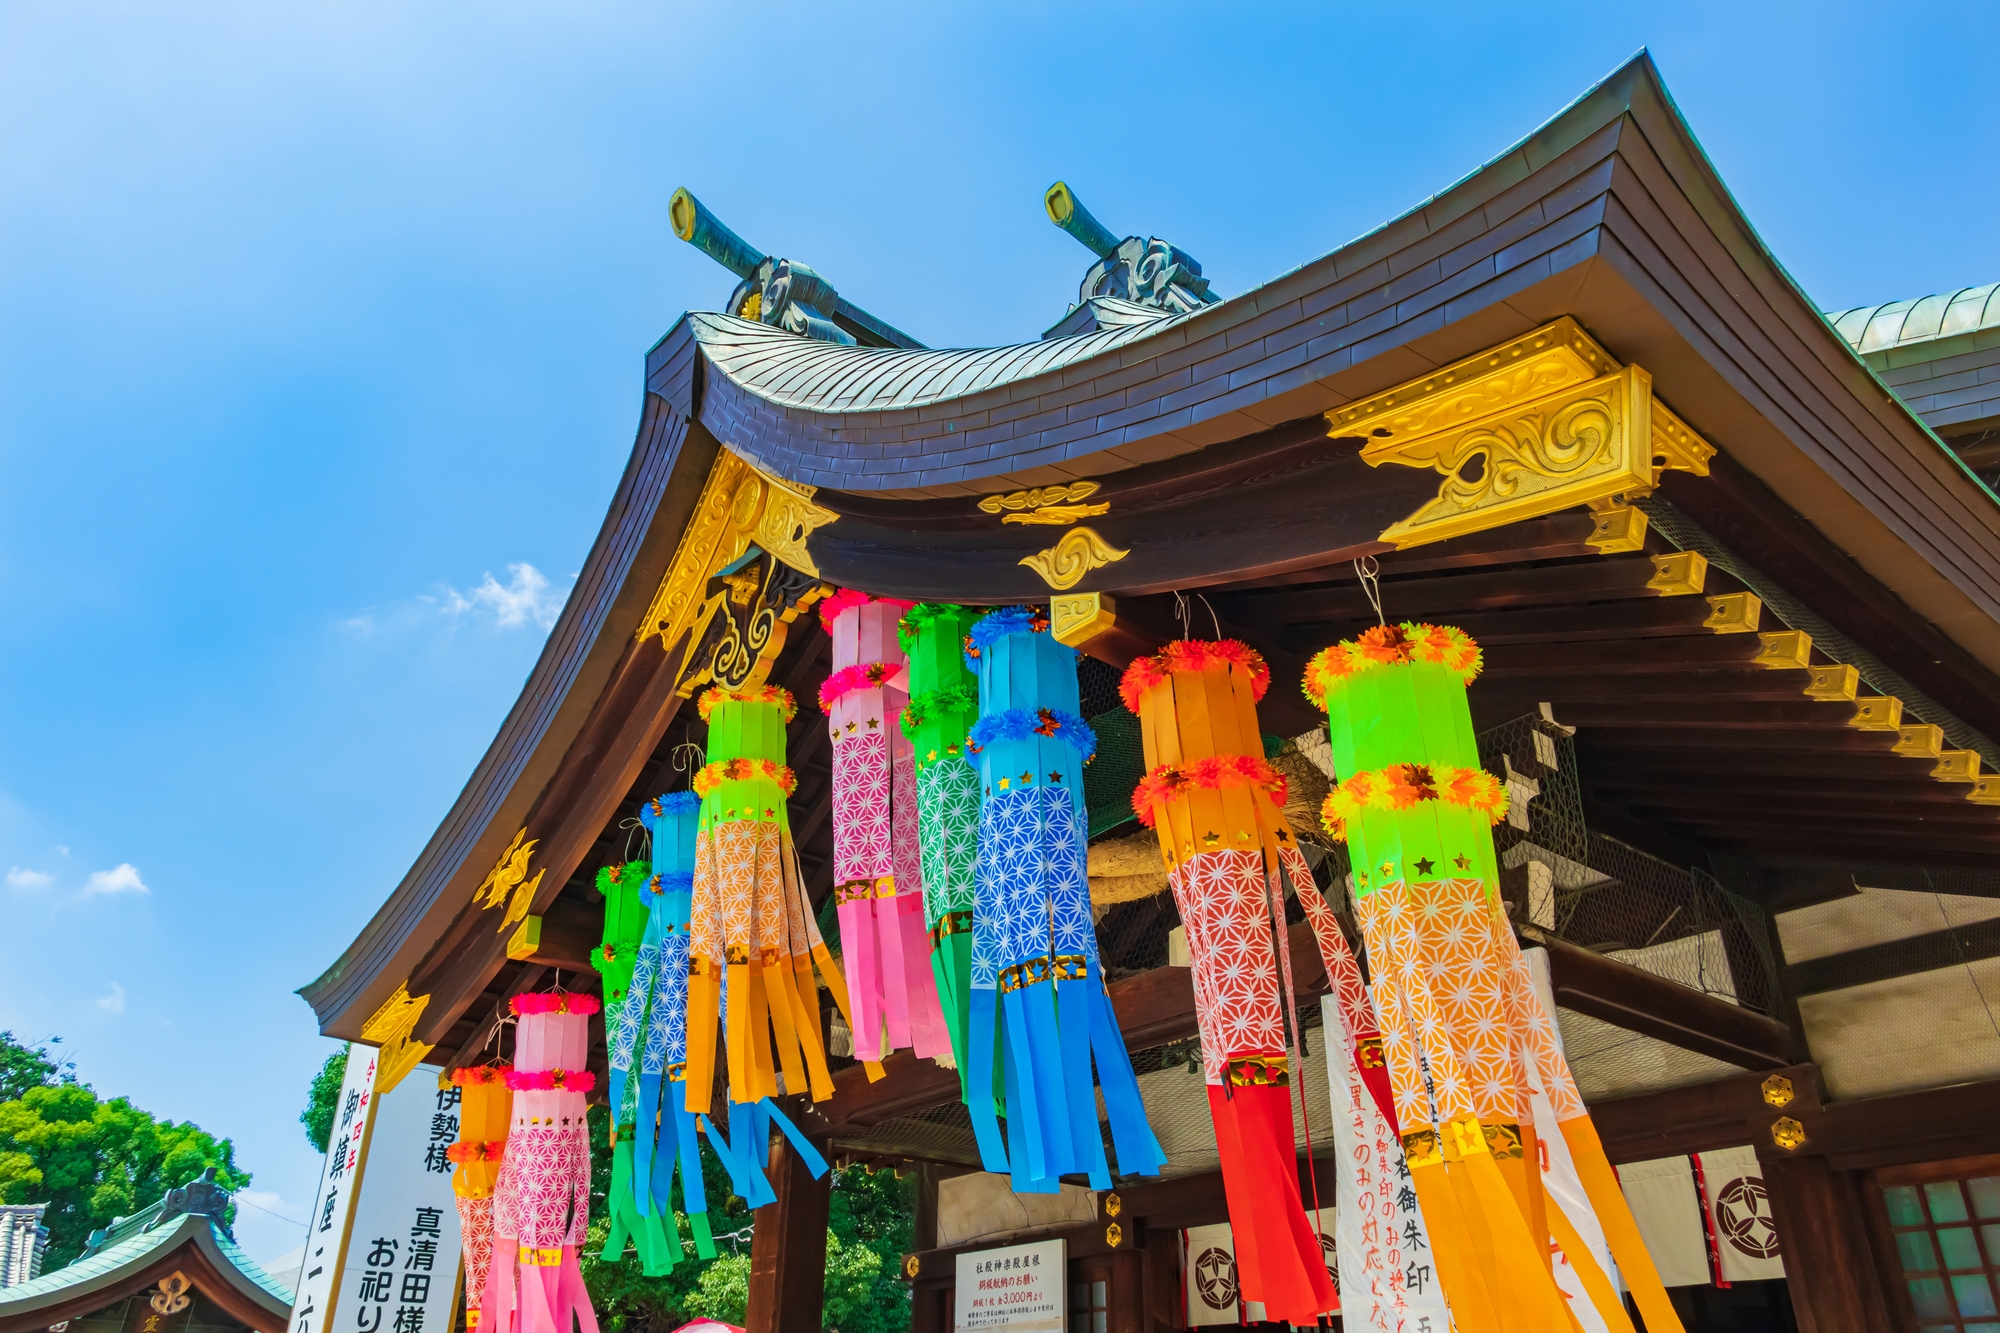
x=1876, y=328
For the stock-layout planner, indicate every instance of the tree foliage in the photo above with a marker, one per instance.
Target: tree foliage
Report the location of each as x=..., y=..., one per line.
x=323, y=1100
x=868, y=1231
x=93, y=1161
x=23, y=1066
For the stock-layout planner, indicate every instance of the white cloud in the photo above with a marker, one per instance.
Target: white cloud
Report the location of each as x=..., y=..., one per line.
x=20, y=878
x=525, y=599
x=123, y=879
x=114, y=1002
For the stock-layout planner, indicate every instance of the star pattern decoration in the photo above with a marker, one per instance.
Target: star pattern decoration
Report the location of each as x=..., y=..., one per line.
x=1425, y=865
x=948, y=836
x=1462, y=861
x=1221, y=896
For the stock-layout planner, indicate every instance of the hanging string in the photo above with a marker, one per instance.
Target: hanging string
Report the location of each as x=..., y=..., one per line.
x=1370, y=575
x=632, y=829
x=1213, y=619
x=1181, y=611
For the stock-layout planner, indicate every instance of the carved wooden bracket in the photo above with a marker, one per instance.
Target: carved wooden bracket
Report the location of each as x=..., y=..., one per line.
x=1543, y=422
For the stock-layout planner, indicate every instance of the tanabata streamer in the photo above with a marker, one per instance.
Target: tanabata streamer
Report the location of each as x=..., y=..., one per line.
x=1460, y=1021
x=663, y=1132
x=484, y=1101
x=877, y=867
x=1038, y=1000
x=541, y=1199
x=1218, y=808
x=944, y=702
x=750, y=917
x=617, y=953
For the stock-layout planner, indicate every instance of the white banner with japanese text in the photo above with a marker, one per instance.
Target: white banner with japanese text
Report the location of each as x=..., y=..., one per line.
x=333, y=1205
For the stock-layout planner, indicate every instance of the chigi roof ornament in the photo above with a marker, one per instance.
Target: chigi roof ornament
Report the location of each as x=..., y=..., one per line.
x=1143, y=270
x=781, y=293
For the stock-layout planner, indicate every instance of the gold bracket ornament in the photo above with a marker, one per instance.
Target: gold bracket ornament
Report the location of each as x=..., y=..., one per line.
x=1081, y=550
x=1543, y=422
x=1078, y=617
x=392, y=1028
x=740, y=507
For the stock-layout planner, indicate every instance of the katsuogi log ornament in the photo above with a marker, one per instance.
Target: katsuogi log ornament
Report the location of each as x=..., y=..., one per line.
x=1459, y=1023
x=877, y=867
x=750, y=920
x=1218, y=809
x=484, y=1103
x=943, y=704
x=541, y=1200
x=1037, y=989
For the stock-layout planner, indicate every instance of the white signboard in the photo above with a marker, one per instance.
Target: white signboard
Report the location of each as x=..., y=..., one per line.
x=333, y=1205
x=1017, y=1288
x=401, y=1269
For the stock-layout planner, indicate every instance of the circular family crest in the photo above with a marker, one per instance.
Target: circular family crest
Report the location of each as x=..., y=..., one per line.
x=1215, y=1278
x=1743, y=1214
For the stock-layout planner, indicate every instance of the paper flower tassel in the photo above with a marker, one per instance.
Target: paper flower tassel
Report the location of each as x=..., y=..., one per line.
x=484, y=1101
x=750, y=917
x=877, y=868
x=541, y=1200
x=1417, y=813
x=1218, y=808
x=1038, y=1003
x=944, y=703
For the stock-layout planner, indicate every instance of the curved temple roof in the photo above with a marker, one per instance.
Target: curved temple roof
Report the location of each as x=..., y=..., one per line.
x=788, y=371
x=1875, y=328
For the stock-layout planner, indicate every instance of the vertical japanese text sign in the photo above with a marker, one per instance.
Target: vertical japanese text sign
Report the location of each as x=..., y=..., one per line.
x=401, y=1270
x=333, y=1206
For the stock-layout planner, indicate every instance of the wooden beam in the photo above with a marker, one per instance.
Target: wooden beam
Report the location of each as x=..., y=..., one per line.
x=1657, y=617
x=1829, y=1263
x=1809, y=805
x=1705, y=1117
x=1635, y=657
x=1836, y=789
x=1628, y=997
x=1896, y=958
x=1598, y=578
x=570, y=930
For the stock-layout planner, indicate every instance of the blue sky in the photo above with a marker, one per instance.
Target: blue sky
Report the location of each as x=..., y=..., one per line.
x=321, y=334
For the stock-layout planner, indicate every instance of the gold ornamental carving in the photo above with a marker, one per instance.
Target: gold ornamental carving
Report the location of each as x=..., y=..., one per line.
x=171, y=1295
x=1056, y=506
x=507, y=882
x=1543, y=422
x=1081, y=550
x=739, y=508
x=393, y=1027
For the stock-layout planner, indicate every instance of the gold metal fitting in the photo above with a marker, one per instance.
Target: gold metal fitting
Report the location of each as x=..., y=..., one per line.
x=1788, y=1133
x=1733, y=613
x=1778, y=1090
x=1922, y=741
x=1833, y=684
x=1785, y=650
x=1877, y=712
x=1678, y=574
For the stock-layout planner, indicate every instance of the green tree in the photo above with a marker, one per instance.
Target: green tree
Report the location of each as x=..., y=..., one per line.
x=323, y=1100
x=93, y=1161
x=23, y=1067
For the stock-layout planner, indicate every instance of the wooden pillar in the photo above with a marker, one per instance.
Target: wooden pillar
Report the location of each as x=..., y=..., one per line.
x=1160, y=1280
x=1829, y=1264
x=924, y=1225
x=788, y=1249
